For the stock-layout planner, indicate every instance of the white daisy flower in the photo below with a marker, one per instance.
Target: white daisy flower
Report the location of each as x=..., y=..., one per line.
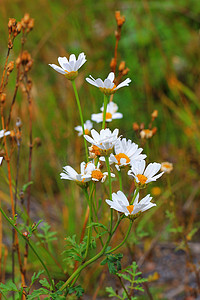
x=94, y=172
x=104, y=141
x=4, y=133
x=121, y=204
x=111, y=113
x=126, y=152
x=87, y=128
x=143, y=176
x=70, y=67
x=166, y=167
x=107, y=86
x=1, y=159
x=71, y=174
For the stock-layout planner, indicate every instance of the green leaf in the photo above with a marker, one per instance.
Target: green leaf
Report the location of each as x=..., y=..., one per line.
x=8, y=287
x=36, y=276
x=114, y=262
x=45, y=283
x=98, y=225
x=77, y=289
x=36, y=293
x=26, y=185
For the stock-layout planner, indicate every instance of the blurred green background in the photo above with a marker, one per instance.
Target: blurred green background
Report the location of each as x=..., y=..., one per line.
x=160, y=45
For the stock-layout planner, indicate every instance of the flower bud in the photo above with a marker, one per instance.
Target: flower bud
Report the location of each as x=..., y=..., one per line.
x=122, y=66
x=26, y=18
x=3, y=98
x=154, y=114
x=10, y=67
x=125, y=71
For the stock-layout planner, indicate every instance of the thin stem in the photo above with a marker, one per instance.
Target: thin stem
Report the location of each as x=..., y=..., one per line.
x=120, y=180
x=125, y=290
x=105, y=100
x=110, y=190
x=30, y=245
x=124, y=240
x=15, y=207
x=81, y=117
x=135, y=195
x=90, y=218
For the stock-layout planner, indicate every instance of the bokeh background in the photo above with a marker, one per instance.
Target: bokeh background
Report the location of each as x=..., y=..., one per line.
x=160, y=45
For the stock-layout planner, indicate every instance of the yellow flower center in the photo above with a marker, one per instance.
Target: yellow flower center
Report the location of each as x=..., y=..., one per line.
x=71, y=75
x=130, y=208
x=97, y=174
x=87, y=131
x=94, y=149
x=142, y=179
x=122, y=155
x=108, y=116
x=166, y=165
x=108, y=91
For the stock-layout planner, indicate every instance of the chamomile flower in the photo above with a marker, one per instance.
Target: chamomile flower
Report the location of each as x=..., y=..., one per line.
x=143, y=176
x=111, y=113
x=94, y=172
x=166, y=167
x=126, y=152
x=107, y=86
x=87, y=127
x=70, y=67
x=4, y=133
x=120, y=203
x=103, y=142
x=71, y=174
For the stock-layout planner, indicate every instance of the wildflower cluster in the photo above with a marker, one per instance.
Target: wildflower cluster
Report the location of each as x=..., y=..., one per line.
x=109, y=146
x=107, y=149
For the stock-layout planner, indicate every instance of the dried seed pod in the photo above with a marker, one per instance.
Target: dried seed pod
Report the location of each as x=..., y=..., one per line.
x=11, y=25
x=135, y=126
x=120, y=19
x=26, y=18
x=113, y=64
x=3, y=98
x=122, y=66
x=25, y=57
x=10, y=67
x=18, y=61
x=125, y=71
x=154, y=114
x=30, y=25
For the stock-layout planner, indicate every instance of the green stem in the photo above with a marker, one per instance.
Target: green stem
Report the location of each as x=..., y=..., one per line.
x=90, y=261
x=110, y=190
x=105, y=100
x=120, y=180
x=135, y=194
x=90, y=218
x=124, y=240
x=27, y=241
x=124, y=287
x=81, y=117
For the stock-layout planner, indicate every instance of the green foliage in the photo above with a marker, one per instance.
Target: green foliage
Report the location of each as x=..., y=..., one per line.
x=113, y=261
x=5, y=289
x=99, y=225
x=46, y=236
x=112, y=293
x=78, y=290
x=133, y=282
x=75, y=251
